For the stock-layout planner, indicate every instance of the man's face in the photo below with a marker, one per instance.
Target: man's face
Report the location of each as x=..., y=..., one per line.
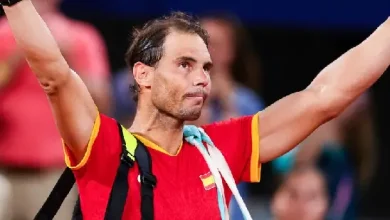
x=181, y=80
x=302, y=197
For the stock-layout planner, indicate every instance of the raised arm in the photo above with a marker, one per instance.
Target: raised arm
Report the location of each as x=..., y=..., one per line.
x=72, y=105
x=290, y=120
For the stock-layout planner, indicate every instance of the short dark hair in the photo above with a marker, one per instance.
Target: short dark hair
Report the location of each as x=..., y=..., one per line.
x=147, y=44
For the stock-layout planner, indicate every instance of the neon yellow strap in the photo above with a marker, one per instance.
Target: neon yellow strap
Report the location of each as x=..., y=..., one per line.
x=131, y=143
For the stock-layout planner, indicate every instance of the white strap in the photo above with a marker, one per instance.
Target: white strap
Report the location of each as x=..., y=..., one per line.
x=218, y=165
x=223, y=167
x=217, y=177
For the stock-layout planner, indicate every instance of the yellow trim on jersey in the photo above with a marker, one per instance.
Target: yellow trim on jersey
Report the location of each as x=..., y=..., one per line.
x=95, y=132
x=255, y=166
x=154, y=146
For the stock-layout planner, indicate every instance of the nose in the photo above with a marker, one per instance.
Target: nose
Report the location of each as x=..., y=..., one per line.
x=202, y=78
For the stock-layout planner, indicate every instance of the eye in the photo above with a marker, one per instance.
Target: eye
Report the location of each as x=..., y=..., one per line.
x=184, y=65
x=207, y=69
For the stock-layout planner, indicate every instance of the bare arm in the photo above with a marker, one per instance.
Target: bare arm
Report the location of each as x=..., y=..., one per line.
x=290, y=120
x=73, y=107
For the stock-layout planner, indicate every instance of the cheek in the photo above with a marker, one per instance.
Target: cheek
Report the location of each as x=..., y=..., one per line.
x=166, y=94
x=208, y=88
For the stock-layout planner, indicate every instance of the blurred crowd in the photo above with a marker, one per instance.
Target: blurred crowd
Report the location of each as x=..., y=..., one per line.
x=323, y=178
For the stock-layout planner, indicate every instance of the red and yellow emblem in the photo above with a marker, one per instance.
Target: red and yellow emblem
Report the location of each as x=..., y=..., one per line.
x=207, y=180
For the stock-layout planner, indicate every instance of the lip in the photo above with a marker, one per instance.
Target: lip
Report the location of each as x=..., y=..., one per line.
x=197, y=98
x=195, y=95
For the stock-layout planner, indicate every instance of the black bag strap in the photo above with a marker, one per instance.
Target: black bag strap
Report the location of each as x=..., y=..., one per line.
x=120, y=188
x=148, y=181
x=77, y=214
x=119, y=191
x=118, y=195
x=57, y=196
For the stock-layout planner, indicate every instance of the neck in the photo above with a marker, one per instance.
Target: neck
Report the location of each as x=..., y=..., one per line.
x=160, y=128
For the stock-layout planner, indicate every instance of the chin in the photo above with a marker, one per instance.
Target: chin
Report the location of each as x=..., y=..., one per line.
x=190, y=115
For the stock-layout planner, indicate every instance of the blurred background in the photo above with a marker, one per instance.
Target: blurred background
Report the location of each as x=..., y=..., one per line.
x=262, y=50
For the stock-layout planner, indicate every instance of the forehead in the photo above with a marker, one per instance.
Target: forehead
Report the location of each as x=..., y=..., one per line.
x=180, y=44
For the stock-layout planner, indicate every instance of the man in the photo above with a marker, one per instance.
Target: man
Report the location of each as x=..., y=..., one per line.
x=171, y=63
x=31, y=157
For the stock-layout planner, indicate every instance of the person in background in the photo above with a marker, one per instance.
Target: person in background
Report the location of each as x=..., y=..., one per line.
x=302, y=196
x=235, y=77
x=31, y=158
x=344, y=149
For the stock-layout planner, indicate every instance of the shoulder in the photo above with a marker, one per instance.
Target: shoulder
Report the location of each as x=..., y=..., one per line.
x=108, y=125
x=105, y=133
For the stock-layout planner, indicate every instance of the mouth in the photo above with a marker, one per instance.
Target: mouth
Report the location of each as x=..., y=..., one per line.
x=197, y=96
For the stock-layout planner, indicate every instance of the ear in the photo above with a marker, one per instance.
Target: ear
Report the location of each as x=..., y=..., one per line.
x=143, y=74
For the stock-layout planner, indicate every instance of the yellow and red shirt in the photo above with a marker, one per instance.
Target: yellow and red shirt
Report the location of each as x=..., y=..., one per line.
x=185, y=187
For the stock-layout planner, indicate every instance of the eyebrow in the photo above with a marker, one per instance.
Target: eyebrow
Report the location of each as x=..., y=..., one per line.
x=207, y=64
